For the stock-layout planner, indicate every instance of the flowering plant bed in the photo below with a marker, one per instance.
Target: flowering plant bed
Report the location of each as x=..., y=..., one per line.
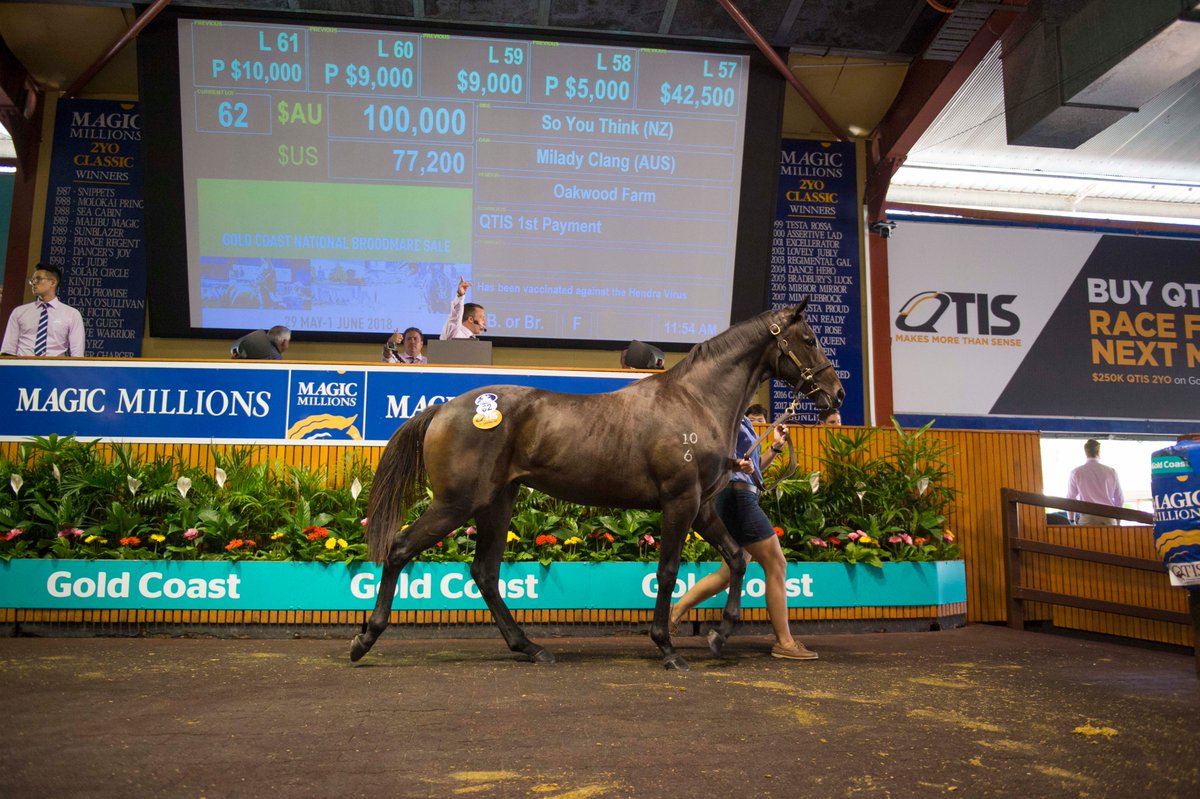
x=67, y=499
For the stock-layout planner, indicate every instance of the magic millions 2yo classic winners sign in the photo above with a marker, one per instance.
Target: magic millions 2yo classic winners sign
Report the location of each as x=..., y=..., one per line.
x=815, y=254
x=94, y=227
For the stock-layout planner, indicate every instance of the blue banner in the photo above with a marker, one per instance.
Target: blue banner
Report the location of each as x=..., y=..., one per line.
x=256, y=585
x=815, y=254
x=1175, y=482
x=94, y=228
x=243, y=403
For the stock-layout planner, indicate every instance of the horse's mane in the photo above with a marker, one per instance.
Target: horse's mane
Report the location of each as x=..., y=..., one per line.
x=736, y=338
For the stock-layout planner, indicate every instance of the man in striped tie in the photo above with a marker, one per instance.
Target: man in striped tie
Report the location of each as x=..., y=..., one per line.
x=46, y=326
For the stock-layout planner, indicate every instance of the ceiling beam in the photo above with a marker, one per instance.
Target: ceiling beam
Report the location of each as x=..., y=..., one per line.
x=772, y=56
x=129, y=35
x=928, y=87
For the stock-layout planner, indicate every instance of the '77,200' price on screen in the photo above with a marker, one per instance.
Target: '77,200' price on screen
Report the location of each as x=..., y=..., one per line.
x=430, y=162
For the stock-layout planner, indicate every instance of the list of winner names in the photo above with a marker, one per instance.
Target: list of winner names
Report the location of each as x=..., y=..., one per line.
x=563, y=144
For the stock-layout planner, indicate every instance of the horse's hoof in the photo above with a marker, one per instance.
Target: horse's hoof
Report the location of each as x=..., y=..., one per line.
x=358, y=649
x=541, y=655
x=675, y=662
x=716, y=642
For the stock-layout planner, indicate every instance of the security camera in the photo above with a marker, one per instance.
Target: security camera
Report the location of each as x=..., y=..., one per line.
x=883, y=229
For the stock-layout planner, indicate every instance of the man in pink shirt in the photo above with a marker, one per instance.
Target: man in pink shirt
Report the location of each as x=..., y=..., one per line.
x=1095, y=482
x=46, y=326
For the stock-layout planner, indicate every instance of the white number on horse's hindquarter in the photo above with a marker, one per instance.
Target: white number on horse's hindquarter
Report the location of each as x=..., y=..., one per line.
x=689, y=438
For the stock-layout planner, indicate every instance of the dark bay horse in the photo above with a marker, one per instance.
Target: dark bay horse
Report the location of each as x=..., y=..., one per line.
x=663, y=442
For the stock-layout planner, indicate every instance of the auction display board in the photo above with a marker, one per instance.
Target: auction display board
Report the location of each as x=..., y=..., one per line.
x=815, y=256
x=1001, y=327
x=342, y=180
x=262, y=402
x=94, y=229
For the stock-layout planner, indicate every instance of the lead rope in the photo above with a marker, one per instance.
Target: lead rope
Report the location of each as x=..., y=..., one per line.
x=788, y=414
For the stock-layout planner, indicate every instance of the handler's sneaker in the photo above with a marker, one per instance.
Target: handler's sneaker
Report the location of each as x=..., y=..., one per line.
x=797, y=651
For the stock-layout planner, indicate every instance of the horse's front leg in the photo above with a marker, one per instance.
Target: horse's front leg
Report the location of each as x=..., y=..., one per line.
x=676, y=521
x=491, y=525
x=713, y=530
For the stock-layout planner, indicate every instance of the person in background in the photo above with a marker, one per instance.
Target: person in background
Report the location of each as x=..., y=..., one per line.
x=263, y=345
x=465, y=321
x=47, y=326
x=830, y=417
x=1095, y=482
x=640, y=355
x=737, y=505
x=406, y=347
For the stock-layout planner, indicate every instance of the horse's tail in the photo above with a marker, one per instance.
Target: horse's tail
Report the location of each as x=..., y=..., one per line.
x=399, y=481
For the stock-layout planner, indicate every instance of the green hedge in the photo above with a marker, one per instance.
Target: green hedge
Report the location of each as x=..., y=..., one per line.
x=64, y=500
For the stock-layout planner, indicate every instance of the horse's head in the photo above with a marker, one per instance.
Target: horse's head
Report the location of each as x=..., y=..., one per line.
x=799, y=359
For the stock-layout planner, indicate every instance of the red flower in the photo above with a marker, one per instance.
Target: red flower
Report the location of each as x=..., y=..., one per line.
x=836, y=542
x=545, y=540
x=131, y=541
x=236, y=543
x=779, y=532
x=316, y=533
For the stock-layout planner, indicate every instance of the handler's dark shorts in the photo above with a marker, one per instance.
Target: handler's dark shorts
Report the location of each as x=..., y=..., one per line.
x=741, y=514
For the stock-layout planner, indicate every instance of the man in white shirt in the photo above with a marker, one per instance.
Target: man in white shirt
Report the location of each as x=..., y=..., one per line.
x=465, y=321
x=47, y=326
x=1095, y=482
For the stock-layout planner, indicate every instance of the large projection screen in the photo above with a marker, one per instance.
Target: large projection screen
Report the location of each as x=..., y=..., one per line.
x=341, y=180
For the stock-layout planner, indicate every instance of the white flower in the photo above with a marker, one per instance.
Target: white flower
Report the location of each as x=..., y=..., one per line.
x=133, y=483
x=814, y=481
x=16, y=481
x=355, y=488
x=55, y=471
x=922, y=486
x=184, y=484
x=220, y=475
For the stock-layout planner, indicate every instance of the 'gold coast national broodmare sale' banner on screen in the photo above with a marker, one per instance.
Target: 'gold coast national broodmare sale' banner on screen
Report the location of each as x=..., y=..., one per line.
x=1020, y=328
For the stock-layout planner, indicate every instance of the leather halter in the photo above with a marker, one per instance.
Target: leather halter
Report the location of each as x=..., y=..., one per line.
x=807, y=385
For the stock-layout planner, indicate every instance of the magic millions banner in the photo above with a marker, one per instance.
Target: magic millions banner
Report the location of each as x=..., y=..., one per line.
x=1019, y=328
x=94, y=229
x=815, y=255
x=243, y=403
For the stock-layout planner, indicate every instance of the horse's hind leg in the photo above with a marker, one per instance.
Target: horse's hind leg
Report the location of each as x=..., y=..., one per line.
x=433, y=525
x=713, y=530
x=491, y=525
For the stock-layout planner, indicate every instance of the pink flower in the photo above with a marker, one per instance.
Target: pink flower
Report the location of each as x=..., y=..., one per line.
x=819, y=542
x=13, y=533
x=363, y=522
x=903, y=538
x=906, y=538
x=70, y=531
x=191, y=533
x=857, y=534
x=470, y=531
x=648, y=540
x=895, y=539
x=949, y=537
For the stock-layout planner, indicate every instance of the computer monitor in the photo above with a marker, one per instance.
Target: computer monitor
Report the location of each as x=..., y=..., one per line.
x=469, y=351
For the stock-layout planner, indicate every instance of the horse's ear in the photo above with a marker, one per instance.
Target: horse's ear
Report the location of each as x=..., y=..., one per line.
x=800, y=310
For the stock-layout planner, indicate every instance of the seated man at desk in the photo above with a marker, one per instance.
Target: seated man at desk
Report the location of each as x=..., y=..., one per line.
x=263, y=345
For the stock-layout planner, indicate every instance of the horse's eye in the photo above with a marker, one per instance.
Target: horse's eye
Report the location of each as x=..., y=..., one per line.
x=811, y=341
